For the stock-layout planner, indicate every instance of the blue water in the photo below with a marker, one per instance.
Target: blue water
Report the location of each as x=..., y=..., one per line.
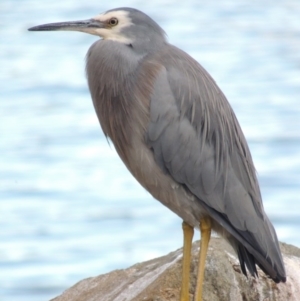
x=69, y=208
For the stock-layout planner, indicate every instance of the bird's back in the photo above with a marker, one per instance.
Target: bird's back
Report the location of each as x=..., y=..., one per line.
x=178, y=135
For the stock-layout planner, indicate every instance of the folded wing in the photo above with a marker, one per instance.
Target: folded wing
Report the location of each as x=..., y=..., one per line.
x=197, y=139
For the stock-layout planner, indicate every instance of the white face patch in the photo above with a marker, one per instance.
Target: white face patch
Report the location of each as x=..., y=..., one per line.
x=114, y=32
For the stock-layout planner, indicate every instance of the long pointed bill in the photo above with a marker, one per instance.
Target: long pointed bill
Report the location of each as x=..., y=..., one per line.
x=84, y=25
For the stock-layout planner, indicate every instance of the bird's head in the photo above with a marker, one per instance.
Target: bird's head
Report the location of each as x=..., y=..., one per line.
x=124, y=25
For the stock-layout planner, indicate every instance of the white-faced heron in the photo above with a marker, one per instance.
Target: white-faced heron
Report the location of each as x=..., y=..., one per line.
x=176, y=133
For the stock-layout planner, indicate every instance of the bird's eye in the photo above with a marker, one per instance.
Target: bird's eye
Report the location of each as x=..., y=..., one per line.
x=113, y=21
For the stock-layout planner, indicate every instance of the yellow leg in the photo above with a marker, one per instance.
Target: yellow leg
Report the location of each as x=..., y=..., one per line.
x=205, y=228
x=188, y=233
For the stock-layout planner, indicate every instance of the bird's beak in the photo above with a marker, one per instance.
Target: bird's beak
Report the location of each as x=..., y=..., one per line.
x=88, y=26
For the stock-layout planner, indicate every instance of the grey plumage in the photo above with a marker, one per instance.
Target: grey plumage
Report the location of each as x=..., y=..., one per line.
x=176, y=132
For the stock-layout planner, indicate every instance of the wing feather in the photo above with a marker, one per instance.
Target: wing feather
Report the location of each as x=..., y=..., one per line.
x=196, y=138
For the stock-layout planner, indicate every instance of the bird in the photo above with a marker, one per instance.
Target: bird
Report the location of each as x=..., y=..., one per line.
x=177, y=134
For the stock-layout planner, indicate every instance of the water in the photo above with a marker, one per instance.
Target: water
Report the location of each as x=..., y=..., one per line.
x=69, y=208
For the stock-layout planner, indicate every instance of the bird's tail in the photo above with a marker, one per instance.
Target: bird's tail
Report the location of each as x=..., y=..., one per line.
x=261, y=248
x=267, y=255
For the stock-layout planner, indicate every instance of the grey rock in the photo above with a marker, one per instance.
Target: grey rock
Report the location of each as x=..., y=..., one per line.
x=160, y=279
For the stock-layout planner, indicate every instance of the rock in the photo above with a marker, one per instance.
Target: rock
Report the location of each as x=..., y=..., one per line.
x=160, y=279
